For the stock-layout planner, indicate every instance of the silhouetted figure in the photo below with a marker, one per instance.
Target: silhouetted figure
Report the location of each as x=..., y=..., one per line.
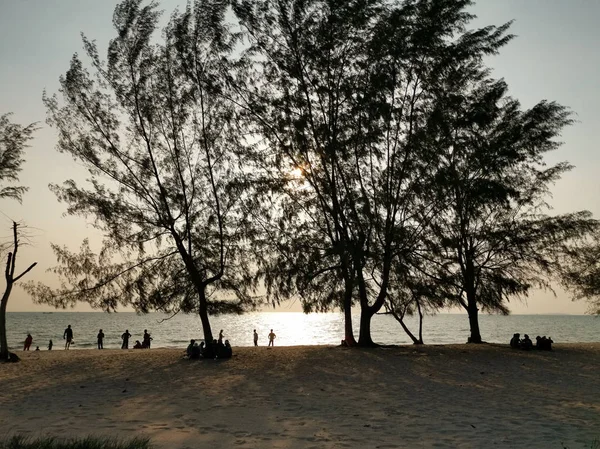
x=526, y=343
x=68, y=336
x=515, y=341
x=50, y=344
x=137, y=345
x=543, y=343
x=272, y=337
x=146, y=340
x=255, y=338
x=227, y=351
x=125, y=337
x=28, y=341
x=37, y=348
x=190, y=348
x=220, y=341
x=100, y=339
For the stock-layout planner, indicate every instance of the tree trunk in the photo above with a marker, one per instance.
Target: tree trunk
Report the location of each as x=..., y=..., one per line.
x=474, y=323
x=348, y=330
x=3, y=340
x=203, y=312
x=415, y=340
x=420, y=322
x=364, y=338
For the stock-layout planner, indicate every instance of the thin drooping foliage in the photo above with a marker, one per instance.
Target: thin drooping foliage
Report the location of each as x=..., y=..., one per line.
x=494, y=240
x=159, y=144
x=581, y=271
x=338, y=95
x=14, y=139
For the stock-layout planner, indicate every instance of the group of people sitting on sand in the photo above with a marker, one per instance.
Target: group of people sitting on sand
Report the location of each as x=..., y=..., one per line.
x=541, y=343
x=217, y=349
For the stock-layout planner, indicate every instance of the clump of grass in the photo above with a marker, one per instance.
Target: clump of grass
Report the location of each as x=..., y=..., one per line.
x=20, y=442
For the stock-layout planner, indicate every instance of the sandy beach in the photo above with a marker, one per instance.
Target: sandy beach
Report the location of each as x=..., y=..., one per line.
x=461, y=396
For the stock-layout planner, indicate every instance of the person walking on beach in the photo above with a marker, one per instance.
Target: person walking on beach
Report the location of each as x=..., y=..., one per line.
x=50, y=344
x=271, y=338
x=68, y=336
x=147, y=339
x=255, y=338
x=125, y=338
x=220, y=341
x=100, y=339
x=28, y=342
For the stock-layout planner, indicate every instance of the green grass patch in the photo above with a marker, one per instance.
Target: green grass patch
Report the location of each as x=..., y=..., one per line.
x=20, y=442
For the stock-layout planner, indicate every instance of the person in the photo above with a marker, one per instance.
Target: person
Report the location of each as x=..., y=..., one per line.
x=190, y=348
x=228, y=352
x=272, y=338
x=526, y=343
x=515, y=341
x=147, y=339
x=50, y=344
x=220, y=341
x=125, y=338
x=100, y=339
x=68, y=336
x=137, y=345
x=37, y=348
x=255, y=338
x=28, y=342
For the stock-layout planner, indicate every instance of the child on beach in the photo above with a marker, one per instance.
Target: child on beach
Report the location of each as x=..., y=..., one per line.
x=271, y=338
x=28, y=342
x=100, y=339
x=255, y=338
x=50, y=345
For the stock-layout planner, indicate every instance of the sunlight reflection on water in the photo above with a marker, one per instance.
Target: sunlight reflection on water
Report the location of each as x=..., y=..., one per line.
x=291, y=328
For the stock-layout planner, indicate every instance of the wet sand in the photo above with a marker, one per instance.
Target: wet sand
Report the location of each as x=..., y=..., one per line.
x=459, y=396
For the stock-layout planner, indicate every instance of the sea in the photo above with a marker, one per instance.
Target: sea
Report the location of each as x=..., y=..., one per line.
x=291, y=328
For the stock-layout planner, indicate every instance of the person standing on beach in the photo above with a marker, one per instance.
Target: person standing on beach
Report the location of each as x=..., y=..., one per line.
x=28, y=342
x=271, y=338
x=255, y=338
x=50, y=344
x=68, y=336
x=100, y=339
x=147, y=339
x=220, y=341
x=125, y=338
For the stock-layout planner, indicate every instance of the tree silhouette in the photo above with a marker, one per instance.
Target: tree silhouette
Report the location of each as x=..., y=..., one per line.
x=159, y=144
x=340, y=92
x=494, y=240
x=13, y=141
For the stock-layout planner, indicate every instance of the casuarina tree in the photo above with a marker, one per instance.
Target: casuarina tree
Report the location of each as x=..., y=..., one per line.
x=337, y=94
x=495, y=239
x=158, y=141
x=13, y=141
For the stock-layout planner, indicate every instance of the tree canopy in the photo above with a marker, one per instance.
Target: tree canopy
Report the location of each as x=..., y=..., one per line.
x=159, y=145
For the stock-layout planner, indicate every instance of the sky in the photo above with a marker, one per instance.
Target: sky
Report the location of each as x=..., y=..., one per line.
x=554, y=57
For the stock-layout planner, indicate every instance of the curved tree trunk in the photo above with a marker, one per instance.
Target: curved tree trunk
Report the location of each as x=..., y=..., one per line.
x=4, y=355
x=364, y=338
x=203, y=312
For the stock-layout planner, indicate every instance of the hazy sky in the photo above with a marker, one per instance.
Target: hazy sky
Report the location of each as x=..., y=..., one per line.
x=554, y=56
